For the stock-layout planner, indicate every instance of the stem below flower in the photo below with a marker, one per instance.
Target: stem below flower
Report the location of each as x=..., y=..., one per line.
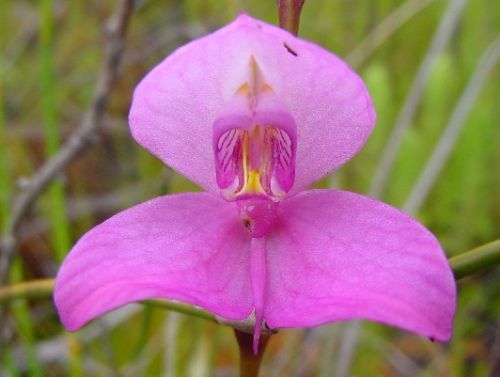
x=249, y=361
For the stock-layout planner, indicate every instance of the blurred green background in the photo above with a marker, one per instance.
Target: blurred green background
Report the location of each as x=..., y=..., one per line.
x=50, y=54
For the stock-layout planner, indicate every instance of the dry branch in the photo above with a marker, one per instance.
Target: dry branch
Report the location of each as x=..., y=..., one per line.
x=84, y=135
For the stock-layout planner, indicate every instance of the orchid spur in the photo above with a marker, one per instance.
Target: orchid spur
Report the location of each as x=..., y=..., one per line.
x=254, y=116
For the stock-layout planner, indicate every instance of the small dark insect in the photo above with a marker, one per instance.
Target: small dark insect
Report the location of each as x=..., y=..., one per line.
x=290, y=50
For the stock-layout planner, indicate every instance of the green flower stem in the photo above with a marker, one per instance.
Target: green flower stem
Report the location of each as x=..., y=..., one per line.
x=44, y=287
x=30, y=289
x=181, y=308
x=478, y=259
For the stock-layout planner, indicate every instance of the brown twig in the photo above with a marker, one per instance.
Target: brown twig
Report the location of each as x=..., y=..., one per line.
x=289, y=14
x=84, y=135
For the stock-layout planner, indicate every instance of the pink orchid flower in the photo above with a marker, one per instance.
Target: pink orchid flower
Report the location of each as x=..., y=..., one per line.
x=255, y=115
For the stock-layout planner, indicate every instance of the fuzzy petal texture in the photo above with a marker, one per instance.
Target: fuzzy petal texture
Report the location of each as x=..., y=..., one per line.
x=338, y=255
x=176, y=104
x=188, y=247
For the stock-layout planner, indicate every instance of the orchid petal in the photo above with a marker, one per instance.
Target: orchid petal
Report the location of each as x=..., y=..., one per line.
x=188, y=247
x=337, y=255
x=176, y=104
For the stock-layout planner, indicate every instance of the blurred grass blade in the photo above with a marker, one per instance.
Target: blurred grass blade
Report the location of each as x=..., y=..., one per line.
x=57, y=210
x=10, y=365
x=144, y=332
x=171, y=328
x=5, y=183
x=20, y=310
x=57, y=205
x=384, y=30
x=440, y=155
x=24, y=325
x=441, y=38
